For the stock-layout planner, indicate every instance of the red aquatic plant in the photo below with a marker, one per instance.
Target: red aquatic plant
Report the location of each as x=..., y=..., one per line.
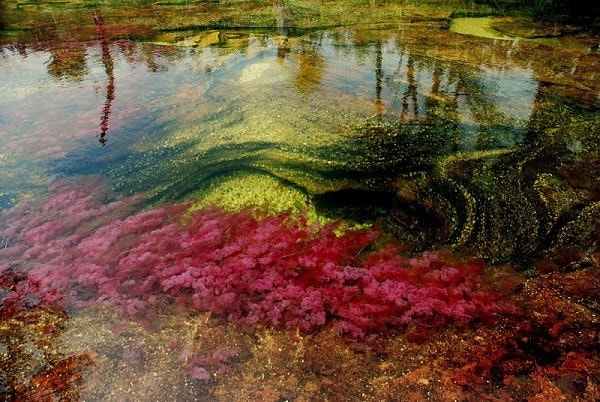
x=74, y=248
x=61, y=381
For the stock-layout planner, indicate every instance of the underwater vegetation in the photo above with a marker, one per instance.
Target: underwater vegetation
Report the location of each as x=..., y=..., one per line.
x=81, y=246
x=75, y=250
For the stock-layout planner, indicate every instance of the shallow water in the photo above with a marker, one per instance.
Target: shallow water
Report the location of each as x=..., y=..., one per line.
x=437, y=139
x=303, y=94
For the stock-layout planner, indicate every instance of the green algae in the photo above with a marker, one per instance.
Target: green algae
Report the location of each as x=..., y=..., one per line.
x=265, y=195
x=239, y=191
x=477, y=26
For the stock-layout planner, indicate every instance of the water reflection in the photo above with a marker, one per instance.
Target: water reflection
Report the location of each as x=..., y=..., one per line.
x=109, y=67
x=395, y=112
x=297, y=108
x=68, y=61
x=310, y=67
x=378, y=80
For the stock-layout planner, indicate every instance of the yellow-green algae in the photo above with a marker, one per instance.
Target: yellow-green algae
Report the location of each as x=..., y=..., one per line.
x=477, y=26
x=263, y=194
x=242, y=190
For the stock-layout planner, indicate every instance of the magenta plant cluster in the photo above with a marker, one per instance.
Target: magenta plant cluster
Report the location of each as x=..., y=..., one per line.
x=75, y=248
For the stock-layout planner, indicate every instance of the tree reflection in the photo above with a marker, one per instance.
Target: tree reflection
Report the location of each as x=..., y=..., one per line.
x=310, y=66
x=378, y=80
x=67, y=53
x=109, y=68
x=442, y=103
x=473, y=100
x=68, y=61
x=409, y=98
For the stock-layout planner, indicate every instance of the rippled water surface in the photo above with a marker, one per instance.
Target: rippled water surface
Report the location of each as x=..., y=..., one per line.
x=158, y=193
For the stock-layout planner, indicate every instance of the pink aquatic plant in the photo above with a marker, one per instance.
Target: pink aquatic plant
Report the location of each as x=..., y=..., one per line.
x=199, y=373
x=75, y=249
